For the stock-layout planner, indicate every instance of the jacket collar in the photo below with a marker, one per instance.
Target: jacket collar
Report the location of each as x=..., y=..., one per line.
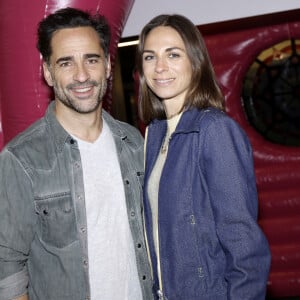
x=114, y=126
x=189, y=121
x=61, y=136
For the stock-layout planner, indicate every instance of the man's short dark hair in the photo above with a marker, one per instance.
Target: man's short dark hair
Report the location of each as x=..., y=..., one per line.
x=71, y=18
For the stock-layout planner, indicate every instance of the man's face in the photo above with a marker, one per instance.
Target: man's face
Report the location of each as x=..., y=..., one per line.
x=78, y=69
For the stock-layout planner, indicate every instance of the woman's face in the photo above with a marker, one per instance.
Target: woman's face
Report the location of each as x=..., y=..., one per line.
x=167, y=68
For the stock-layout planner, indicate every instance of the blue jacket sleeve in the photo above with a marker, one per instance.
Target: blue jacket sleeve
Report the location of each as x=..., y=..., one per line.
x=232, y=188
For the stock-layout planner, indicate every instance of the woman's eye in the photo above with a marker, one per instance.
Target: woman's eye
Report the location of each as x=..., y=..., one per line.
x=174, y=55
x=148, y=57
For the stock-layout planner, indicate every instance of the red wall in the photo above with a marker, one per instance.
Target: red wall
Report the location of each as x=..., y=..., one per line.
x=233, y=46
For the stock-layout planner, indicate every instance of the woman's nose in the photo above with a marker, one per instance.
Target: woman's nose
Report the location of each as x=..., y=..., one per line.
x=161, y=65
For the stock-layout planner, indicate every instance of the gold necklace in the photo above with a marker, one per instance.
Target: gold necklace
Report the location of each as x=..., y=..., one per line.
x=165, y=144
x=167, y=138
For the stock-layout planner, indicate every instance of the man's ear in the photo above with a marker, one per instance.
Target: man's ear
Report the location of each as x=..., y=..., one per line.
x=47, y=74
x=108, y=67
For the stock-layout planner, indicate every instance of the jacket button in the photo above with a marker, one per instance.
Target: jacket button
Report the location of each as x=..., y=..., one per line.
x=85, y=262
x=77, y=165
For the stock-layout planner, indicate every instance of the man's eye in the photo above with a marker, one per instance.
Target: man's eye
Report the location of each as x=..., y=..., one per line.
x=65, y=64
x=92, y=61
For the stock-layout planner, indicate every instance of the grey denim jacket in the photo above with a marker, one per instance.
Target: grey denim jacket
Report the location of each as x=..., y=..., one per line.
x=43, y=236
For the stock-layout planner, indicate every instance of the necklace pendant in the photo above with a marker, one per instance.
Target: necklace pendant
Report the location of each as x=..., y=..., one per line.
x=163, y=149
x=165, y=145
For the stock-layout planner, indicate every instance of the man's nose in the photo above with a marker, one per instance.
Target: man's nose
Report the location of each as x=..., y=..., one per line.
x=81, y=73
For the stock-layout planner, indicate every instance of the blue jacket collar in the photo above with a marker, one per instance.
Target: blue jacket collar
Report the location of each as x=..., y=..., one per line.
x=189, y=121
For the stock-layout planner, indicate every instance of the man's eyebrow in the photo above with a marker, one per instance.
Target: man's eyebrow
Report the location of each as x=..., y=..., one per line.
x=89, y=55
x=70, y=58
x=63, y=59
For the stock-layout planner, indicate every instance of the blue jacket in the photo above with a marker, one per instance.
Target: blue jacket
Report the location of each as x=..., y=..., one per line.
x=211, y=246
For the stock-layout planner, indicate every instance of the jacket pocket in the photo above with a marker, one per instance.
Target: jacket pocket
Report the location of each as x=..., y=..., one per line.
x=56, y=218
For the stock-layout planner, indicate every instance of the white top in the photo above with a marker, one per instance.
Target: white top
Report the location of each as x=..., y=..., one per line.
x=153, y=185
x=112, y=263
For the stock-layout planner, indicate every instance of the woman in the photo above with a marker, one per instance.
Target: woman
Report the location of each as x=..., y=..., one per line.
x=200, y=192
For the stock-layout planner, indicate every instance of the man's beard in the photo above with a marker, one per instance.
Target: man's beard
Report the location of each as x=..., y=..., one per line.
x=70, y=102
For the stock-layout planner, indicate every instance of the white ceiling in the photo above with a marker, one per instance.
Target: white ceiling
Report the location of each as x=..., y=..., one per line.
x=202, y=12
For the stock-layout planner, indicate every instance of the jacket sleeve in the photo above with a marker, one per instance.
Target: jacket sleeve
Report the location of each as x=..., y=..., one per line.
x=16, y=223
x=232, y=189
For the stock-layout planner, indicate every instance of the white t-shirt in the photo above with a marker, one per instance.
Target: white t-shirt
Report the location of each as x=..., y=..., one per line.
x=112, y=263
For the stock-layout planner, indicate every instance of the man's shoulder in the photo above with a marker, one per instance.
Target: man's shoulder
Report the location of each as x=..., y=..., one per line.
x=32, y=136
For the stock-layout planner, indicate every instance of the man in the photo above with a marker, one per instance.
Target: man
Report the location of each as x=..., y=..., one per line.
x=70, y=185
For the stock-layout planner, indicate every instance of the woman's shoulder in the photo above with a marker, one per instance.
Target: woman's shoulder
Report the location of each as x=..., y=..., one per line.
x=211, y=120
x=205, y=117
x=213, y=115
x=218, y=124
